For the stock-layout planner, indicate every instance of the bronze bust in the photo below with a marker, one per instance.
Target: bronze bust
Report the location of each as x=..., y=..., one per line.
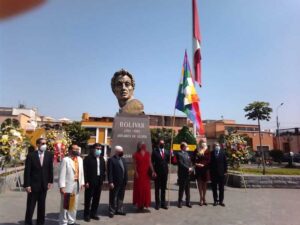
x=122, y=85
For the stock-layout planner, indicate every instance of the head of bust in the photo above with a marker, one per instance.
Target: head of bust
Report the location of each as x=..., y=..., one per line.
x=122, y=85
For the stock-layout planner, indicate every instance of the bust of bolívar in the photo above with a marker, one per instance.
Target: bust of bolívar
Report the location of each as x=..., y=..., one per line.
x=122, y=85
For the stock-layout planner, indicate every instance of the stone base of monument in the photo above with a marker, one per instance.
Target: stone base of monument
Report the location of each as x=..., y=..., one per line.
x=128, y=130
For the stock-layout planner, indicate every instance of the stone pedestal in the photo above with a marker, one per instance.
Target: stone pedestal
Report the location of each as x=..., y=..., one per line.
x=127, y=131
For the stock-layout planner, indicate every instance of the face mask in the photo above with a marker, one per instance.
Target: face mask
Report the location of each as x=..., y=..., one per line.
x=161, y=146
x=43, y=147
x=217, y=148
x=121, y=154
x=97, y=152
x=75, y=153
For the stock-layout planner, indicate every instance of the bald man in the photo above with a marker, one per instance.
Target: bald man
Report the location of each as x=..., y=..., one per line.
x=117, y=179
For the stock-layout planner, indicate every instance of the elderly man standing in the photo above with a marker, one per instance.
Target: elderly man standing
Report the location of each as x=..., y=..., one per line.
x=117, y=179
x=71, y=181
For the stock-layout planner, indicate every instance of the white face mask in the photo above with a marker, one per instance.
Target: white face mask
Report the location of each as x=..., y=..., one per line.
x=43, y=147
x=204, y=145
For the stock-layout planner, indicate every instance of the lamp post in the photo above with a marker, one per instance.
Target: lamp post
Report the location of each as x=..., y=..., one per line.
x=277, y=123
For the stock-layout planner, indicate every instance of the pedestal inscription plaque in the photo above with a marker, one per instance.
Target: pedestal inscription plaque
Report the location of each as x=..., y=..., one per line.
x=127, y=131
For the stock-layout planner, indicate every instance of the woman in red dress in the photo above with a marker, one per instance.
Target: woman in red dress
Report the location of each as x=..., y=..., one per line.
x=141, y=185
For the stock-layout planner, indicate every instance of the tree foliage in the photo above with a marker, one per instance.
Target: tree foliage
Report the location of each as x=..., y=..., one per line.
x=184, y=134
x=10, y=122
x=77, y=133
x=258, y=110
x=161, y=133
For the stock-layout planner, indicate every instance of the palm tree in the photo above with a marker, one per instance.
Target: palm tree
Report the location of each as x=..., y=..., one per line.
x=259, y=111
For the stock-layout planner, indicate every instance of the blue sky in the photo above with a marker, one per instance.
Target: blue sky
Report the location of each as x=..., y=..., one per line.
x=61, y=56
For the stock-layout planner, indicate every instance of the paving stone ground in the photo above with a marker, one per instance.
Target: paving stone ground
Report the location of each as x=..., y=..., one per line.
x=251, y=207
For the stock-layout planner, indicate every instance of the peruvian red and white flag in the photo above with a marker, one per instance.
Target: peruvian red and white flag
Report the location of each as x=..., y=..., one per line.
x=196, y=44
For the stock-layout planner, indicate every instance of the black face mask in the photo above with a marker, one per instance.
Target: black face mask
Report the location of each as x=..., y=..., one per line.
x=121, y=154
x=75, y=153
x=161, y=146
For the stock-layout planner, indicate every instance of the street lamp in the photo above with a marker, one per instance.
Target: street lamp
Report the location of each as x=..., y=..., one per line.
x=277, y=122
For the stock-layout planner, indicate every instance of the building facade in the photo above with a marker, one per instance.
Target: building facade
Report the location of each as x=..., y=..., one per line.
x=288, y=140
x=215, y=128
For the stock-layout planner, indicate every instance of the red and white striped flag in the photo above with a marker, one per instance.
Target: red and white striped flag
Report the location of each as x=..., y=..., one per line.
x=196, y=44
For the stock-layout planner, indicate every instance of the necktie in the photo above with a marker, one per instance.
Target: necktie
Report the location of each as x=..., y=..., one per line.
x=41, y=158
x=162, y=154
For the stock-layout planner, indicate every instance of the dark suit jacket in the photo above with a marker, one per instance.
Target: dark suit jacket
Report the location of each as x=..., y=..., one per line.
x=90, y=169
x=36, y=176
x=160, y=164
x=116, y=175
x=184, y=163
x=218, y=165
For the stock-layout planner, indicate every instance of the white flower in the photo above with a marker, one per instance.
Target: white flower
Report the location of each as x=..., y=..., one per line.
x=5, y=137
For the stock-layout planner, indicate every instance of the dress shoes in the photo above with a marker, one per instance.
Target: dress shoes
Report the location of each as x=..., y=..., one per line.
x=188, y=205
x=157, y=207
x=179, y=205
x=95, y=217
x=215, y=204
x=164, y=207
x=87, y=219
x=121, y=213
x=111, y=215
x=222, y=204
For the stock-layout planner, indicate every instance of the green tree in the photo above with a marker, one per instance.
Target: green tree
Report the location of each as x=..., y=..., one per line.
x=184, y=134
x=10, y=122
x=259, y=111
x=77, y=134
x=161, y=133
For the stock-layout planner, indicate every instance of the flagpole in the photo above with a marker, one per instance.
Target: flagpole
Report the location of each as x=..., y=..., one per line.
x=170, y=157
x=171, y=147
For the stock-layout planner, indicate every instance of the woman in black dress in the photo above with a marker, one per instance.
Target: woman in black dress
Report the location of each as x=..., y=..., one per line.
x=201, y=160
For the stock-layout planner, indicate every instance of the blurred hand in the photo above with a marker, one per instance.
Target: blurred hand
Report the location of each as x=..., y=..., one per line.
x=49, y=186
x=87, y=185
x=111, y=186
x=62, y=190
x=190, y=169
x=154, y=174
x=28, y=189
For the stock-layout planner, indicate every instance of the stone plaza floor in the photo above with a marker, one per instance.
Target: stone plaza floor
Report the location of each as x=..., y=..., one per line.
x=251, y=206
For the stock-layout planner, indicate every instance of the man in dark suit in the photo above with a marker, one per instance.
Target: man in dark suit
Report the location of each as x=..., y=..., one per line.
x=94, y=175
x=160, y=158
x=38, y=178
x=218, y=170
x=117, y=179
x=184, y=170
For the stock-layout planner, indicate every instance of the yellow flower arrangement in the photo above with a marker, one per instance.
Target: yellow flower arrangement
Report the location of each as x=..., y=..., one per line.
x=12, y=144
